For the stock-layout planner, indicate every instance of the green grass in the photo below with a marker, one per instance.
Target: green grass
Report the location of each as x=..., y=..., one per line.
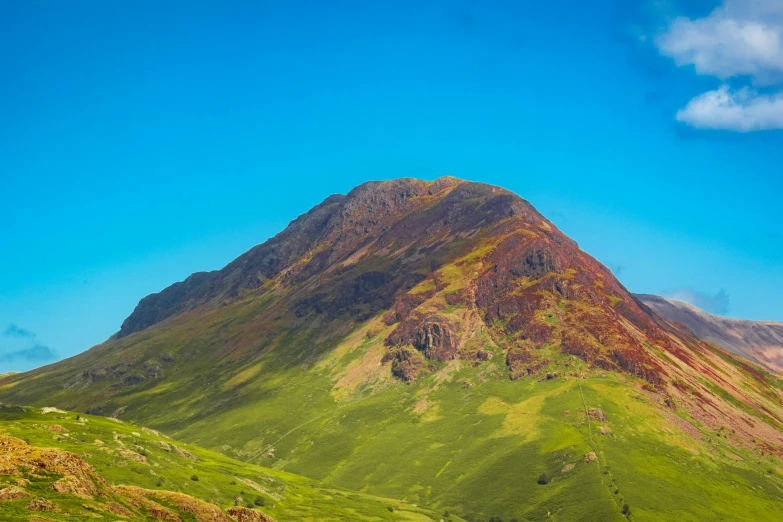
x=221, y=480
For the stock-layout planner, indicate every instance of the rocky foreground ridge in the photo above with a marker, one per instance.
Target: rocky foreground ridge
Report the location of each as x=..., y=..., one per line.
x=26, y=471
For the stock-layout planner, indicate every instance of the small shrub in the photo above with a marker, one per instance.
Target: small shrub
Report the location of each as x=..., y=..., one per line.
x=544, y=479
x=626, y=509
x=194, y=478
x=260, y=501
x=390, y=508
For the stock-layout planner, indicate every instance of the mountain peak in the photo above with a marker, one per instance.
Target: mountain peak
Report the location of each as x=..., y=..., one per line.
x=354, y=256
x=330, y=232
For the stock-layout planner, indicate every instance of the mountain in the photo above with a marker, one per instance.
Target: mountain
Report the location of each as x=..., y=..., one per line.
x=444, y=344
x=757, y=341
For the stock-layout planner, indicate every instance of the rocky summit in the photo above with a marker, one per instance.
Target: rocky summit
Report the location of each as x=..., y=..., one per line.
x=444, y=344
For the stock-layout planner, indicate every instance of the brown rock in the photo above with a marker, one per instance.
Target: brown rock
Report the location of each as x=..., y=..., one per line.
x=243, y=514
x=435, y=336
x=71, y=485
x=164, y=445
x=183, y=453
x=41, y=504
x=132, y=455
x=118, y=509
x=590, y=457
x=597, y=414
x=13, y=493
x=135, y=497
x=202, y=511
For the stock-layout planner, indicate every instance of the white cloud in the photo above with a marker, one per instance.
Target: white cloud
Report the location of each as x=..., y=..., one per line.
x=723, y=47
x=742, y=110
x=739, y=39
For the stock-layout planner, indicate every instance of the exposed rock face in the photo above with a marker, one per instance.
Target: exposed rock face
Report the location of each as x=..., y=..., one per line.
x=434, y=336
x=406, y=363
x=758, y=341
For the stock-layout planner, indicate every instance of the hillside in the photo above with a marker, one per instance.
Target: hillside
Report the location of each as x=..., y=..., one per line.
x=141, y=474
x=757, y=341
x=443, y=344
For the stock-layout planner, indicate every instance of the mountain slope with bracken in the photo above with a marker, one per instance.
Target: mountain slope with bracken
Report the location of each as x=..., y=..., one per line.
x=440, y=342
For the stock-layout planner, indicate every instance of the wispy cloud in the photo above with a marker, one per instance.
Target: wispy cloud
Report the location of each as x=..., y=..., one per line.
x=717, y=303
x=742, y=41
x=37, y=352
x=16, y=331
x=24, y=346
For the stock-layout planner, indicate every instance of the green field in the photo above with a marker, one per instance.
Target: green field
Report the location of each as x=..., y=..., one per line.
x=125, y=454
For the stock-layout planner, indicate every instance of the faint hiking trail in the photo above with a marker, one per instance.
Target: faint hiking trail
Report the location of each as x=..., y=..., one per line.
x=624, y=510
x=589, y=428
x=289, y=432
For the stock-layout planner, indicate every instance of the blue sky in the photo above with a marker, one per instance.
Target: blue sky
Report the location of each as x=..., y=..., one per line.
x=143, y=141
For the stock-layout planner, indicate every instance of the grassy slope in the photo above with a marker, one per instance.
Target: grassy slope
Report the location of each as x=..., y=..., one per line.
x=221, y=480
x=463, y=439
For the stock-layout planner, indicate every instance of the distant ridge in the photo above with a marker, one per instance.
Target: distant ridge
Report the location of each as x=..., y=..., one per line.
x=758, y=341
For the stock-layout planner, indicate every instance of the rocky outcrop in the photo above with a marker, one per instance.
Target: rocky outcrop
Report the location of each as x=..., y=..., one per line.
x=71, y=485
x=436, y=337
x=13, y=493
x=243, y=514
x=406, y=363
